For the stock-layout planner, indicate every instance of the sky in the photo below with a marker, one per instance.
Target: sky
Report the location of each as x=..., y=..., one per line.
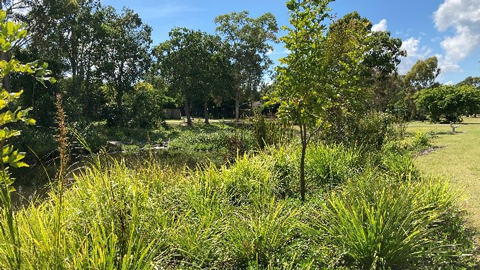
x=448, y=29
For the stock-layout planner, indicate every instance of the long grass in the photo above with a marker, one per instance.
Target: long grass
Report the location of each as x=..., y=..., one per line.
x=245, y=216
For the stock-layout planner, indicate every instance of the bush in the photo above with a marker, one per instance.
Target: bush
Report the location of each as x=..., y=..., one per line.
x=270, y=131
x=370, y=131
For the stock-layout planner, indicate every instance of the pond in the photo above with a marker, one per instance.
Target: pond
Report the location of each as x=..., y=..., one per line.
x=33, y=183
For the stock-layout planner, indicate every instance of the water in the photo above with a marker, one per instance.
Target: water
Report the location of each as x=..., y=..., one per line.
x=33, y=183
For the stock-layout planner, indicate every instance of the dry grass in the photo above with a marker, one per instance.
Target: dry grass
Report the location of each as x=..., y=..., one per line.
x=459, y=160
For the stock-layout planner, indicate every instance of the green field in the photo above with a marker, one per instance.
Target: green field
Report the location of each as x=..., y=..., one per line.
x=458, y=159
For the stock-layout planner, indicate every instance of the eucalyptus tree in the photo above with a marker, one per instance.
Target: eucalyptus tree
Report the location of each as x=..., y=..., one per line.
x=125, y=51
x=177, y=63
x=195, y=64
x=68, y=34
x=473, y=81
x=249, y=40
x=422, y=75
x=321, y=71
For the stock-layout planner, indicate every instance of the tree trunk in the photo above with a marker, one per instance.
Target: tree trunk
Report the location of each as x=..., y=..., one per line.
x=86, y=99
x=187, y=110
x=237, y=107
x=303, y=131
x=205, y=110
x=119, y=98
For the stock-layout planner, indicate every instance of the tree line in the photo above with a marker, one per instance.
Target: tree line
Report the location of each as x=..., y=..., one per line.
x=108, y=68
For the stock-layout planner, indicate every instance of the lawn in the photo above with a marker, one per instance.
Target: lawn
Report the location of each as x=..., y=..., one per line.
x=458, y=159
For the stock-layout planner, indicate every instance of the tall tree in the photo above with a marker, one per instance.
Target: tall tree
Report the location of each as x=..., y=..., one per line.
x=178, y=64
x=249, y=43
x=321, y=71
x=125, y=51
x=421, y=76
x=473, y=81
x=69, y=34
x=215, y=76
x=381, y=59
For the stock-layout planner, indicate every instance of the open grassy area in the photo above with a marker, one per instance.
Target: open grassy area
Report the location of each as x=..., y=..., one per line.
x=458, y=159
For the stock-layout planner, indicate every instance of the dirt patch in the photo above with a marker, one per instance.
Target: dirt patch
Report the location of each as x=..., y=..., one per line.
x=429, y=150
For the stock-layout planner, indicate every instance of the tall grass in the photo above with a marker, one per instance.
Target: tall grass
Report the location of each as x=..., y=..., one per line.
x=244, y=216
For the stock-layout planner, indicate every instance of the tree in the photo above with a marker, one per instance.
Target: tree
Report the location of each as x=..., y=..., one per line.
x=423, y=74
x=214, y=79
x=10, y=33
x=448, y=103
x=248, y=39
x=177, y=63
x=320, y=73
x=473, y=81
x=197, y=65
x=146, y=103
x=69, y=35
x=125, y=51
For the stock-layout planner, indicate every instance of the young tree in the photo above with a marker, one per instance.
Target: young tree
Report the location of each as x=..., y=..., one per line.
x=321, y=71
x=10, y=33
x=249, y=44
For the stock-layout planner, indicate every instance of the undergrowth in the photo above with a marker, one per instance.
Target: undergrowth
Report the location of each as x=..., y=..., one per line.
x=361, y=213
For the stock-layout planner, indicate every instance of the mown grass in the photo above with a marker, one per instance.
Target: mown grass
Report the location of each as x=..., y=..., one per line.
x=364, y=211
x=457, y=158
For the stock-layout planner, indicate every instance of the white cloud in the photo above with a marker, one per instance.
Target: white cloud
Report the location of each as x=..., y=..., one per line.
x=415, y=52
x=449, y=83
x=463, y=16
x=411, y=46
x=287, y=51
x=270, y=52
x=380, y=27
x=447, y=66
x=171, y=9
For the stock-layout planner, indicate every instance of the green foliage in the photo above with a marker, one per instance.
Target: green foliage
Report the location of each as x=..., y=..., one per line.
x=242, y=216
x=268, y=131
x=195, y=65
x=368, y=131
x=448, y=103
x=146, y=104
x=422, y=74
x=10, y=33
x=318, y=76
x=384, y=224
x=248, y=40
x=221, y=141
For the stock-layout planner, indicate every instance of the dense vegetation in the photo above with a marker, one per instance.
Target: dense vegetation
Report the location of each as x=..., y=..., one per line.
x=328, y=183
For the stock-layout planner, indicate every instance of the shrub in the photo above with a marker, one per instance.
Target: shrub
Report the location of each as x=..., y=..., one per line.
x=270, y=131
x=369, y=131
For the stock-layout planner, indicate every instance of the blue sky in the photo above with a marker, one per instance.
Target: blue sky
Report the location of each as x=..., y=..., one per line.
x=449, y=29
